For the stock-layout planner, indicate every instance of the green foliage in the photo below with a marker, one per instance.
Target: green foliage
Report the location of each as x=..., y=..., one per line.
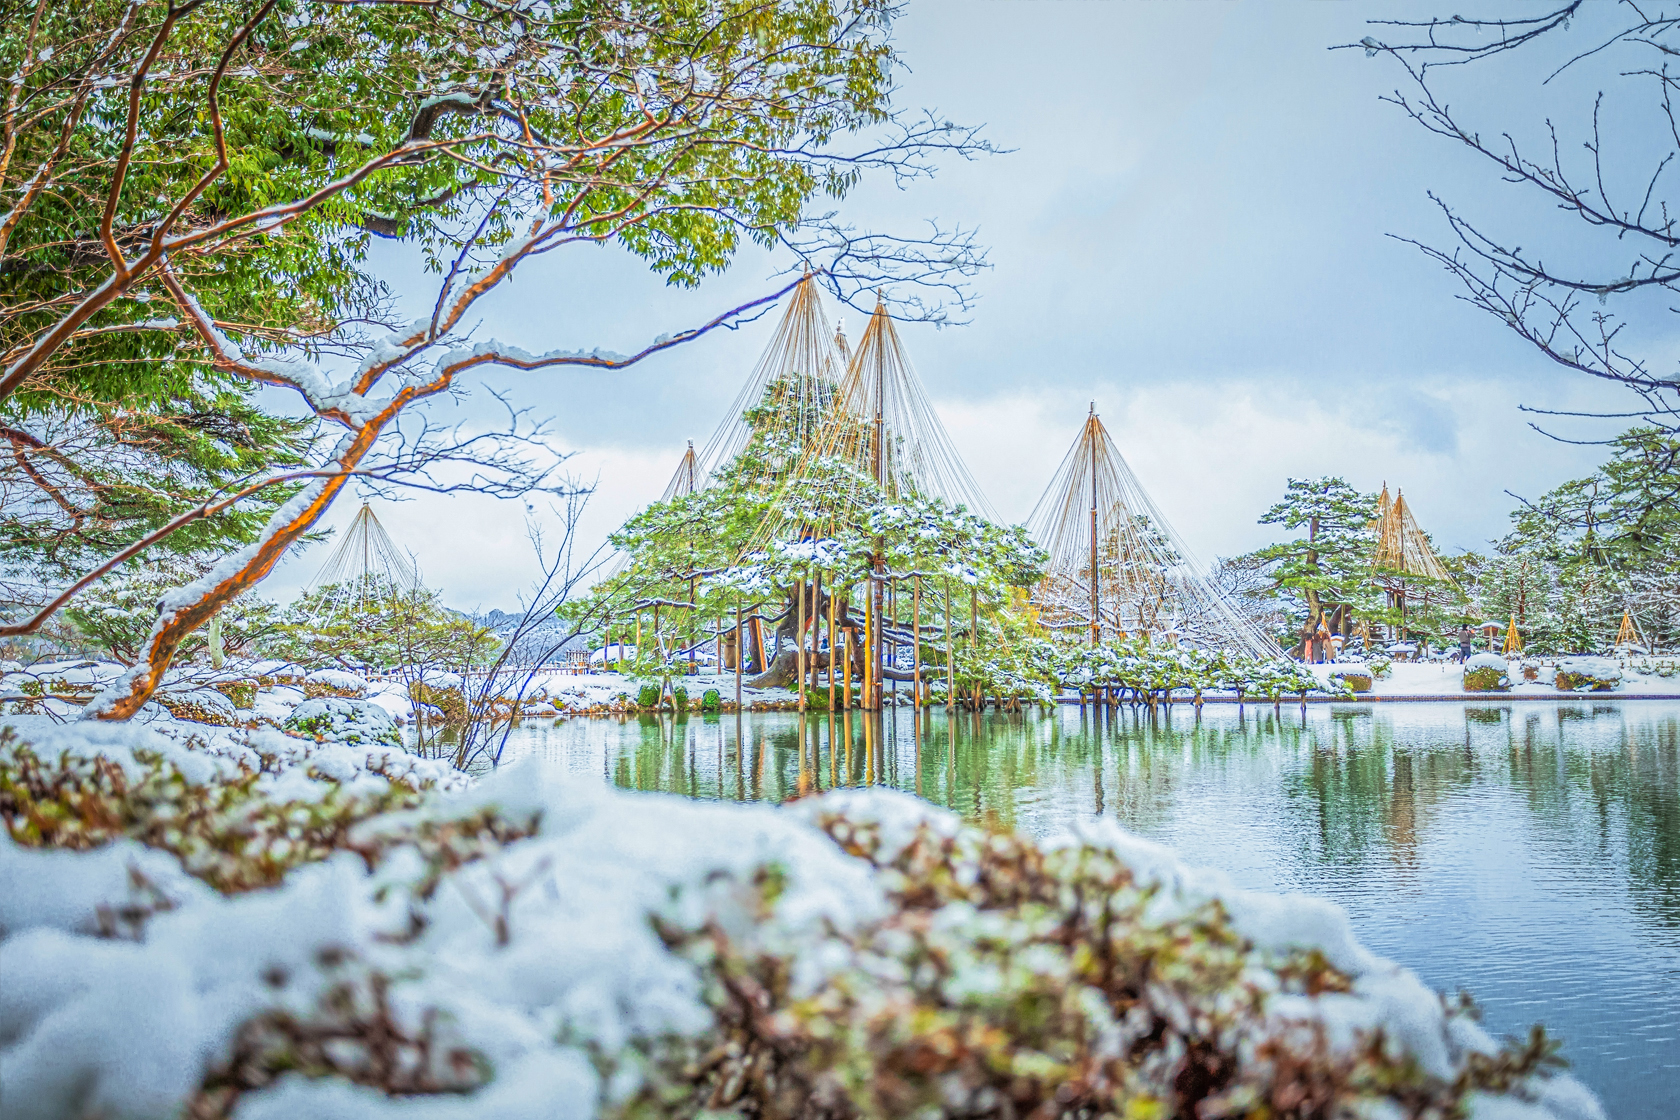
x=1330, y=559
x=711, y=700
x=679, y=699
x=1585, y=551
x=648, y=697
x=117, y=613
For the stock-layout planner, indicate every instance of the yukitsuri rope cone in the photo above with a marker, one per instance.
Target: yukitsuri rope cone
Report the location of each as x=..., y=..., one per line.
x=367, y=565
x=1404, y=555
x=1117, y=569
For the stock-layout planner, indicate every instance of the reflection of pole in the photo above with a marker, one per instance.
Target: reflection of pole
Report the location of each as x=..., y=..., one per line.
x=1091, y=434
x=740, y=653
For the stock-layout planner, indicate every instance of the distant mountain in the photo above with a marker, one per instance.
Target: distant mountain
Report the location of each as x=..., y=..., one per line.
x=545, y=639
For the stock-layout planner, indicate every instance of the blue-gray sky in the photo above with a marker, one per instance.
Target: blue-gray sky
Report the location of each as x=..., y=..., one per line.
x=1191, y=230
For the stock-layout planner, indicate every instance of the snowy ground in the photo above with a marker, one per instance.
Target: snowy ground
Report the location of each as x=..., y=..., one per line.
x=1446, y=678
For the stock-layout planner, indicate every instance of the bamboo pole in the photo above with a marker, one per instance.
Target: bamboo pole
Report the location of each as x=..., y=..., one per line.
x=740, y=655
x=831, y=636
x=1096, y=614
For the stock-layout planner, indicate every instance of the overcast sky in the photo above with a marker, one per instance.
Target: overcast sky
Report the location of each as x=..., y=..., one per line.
x=1192, y=230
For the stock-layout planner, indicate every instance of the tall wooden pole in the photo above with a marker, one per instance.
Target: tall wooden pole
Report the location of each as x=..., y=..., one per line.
x=1091, y=434
x=831, y=652
x=740, y=656
x=868, y=661
x=874, y=691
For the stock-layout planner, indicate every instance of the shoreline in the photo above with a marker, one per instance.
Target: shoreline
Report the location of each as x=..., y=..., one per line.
x=1438, y=698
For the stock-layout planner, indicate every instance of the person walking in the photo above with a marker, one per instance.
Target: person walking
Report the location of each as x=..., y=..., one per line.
x=1466, y=636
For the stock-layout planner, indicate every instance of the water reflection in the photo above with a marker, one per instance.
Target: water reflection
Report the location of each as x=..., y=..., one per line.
x=1528, y=852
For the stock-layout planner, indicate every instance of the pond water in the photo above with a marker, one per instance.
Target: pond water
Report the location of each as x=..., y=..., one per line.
x=1526, y=852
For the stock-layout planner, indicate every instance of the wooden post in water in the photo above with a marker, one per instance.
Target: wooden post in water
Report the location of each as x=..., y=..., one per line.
x=740, y=655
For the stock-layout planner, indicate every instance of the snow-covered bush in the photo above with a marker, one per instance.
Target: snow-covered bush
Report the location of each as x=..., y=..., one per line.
x=1487, y=672
x=334, y=682
x=542, y=946
x=338, y=720
x=1587, y=674
x=1355, y=676
x=199, y=705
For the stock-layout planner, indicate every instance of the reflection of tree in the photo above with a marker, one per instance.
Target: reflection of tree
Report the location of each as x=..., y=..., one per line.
x=1358, y=789
x=1366, y=796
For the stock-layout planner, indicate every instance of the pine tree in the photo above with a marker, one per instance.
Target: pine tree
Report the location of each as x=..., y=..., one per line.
x=1325, y=570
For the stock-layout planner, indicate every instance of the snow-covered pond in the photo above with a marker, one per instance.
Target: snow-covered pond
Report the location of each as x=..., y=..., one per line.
x=1528, y=852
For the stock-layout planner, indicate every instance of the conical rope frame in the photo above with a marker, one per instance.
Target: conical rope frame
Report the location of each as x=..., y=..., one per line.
x=1096, y=516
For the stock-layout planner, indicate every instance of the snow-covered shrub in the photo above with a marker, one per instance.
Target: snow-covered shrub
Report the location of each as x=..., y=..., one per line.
x=334, y=682
x=238, y=812
x=344, y=721
x=1381, y=666
x=198, y=705
x=243, y=694
x=1587, y=674
x=1355, y=676
x=1487, y=672
x=446, y=698
x=543, y=946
